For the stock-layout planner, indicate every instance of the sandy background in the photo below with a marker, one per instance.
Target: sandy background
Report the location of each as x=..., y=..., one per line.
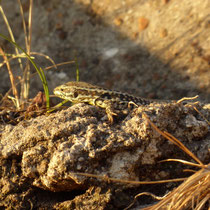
x=151, y=48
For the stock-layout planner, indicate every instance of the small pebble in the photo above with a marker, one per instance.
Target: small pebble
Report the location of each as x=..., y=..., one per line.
x=143, y=23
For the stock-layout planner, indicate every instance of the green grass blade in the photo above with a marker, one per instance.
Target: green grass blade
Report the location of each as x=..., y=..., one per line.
x=77, y=69
x=39, y=71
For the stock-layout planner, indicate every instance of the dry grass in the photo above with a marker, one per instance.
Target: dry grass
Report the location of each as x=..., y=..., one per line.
x=194, y=192
x=21, y=98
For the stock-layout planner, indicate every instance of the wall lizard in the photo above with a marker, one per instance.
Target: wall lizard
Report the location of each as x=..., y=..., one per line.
x=110, y=100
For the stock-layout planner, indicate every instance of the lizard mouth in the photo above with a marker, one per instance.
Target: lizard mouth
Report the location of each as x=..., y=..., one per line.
x=59, y=92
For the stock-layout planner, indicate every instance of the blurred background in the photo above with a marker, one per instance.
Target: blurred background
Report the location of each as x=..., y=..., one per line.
x=150, y=48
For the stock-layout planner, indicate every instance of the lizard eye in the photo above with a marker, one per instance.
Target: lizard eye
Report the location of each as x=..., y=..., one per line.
x=75, y=94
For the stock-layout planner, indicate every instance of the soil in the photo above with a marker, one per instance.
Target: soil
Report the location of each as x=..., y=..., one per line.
x=150, y=48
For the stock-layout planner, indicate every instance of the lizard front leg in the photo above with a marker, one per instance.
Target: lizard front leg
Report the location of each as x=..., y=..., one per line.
x=108, y=106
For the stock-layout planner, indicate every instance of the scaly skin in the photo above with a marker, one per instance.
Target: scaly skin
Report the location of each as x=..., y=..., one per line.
x=78, y=92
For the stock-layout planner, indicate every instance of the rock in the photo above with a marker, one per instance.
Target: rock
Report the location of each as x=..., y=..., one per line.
x=60, y=152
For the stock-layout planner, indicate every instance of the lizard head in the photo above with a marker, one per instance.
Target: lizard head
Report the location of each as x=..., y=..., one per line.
x=75, y=92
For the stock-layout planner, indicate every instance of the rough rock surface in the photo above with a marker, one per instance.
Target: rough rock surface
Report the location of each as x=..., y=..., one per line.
x=47, y=152
x=152, y=48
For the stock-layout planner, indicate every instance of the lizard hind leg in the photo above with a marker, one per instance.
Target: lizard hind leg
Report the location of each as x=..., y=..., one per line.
x=131, y=104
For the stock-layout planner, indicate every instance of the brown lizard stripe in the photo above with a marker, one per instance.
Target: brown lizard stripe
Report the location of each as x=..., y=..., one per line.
x=78, y=92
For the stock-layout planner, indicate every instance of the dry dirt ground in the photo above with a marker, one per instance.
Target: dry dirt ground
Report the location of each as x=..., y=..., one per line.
x=42, y=158
x=151, y=48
